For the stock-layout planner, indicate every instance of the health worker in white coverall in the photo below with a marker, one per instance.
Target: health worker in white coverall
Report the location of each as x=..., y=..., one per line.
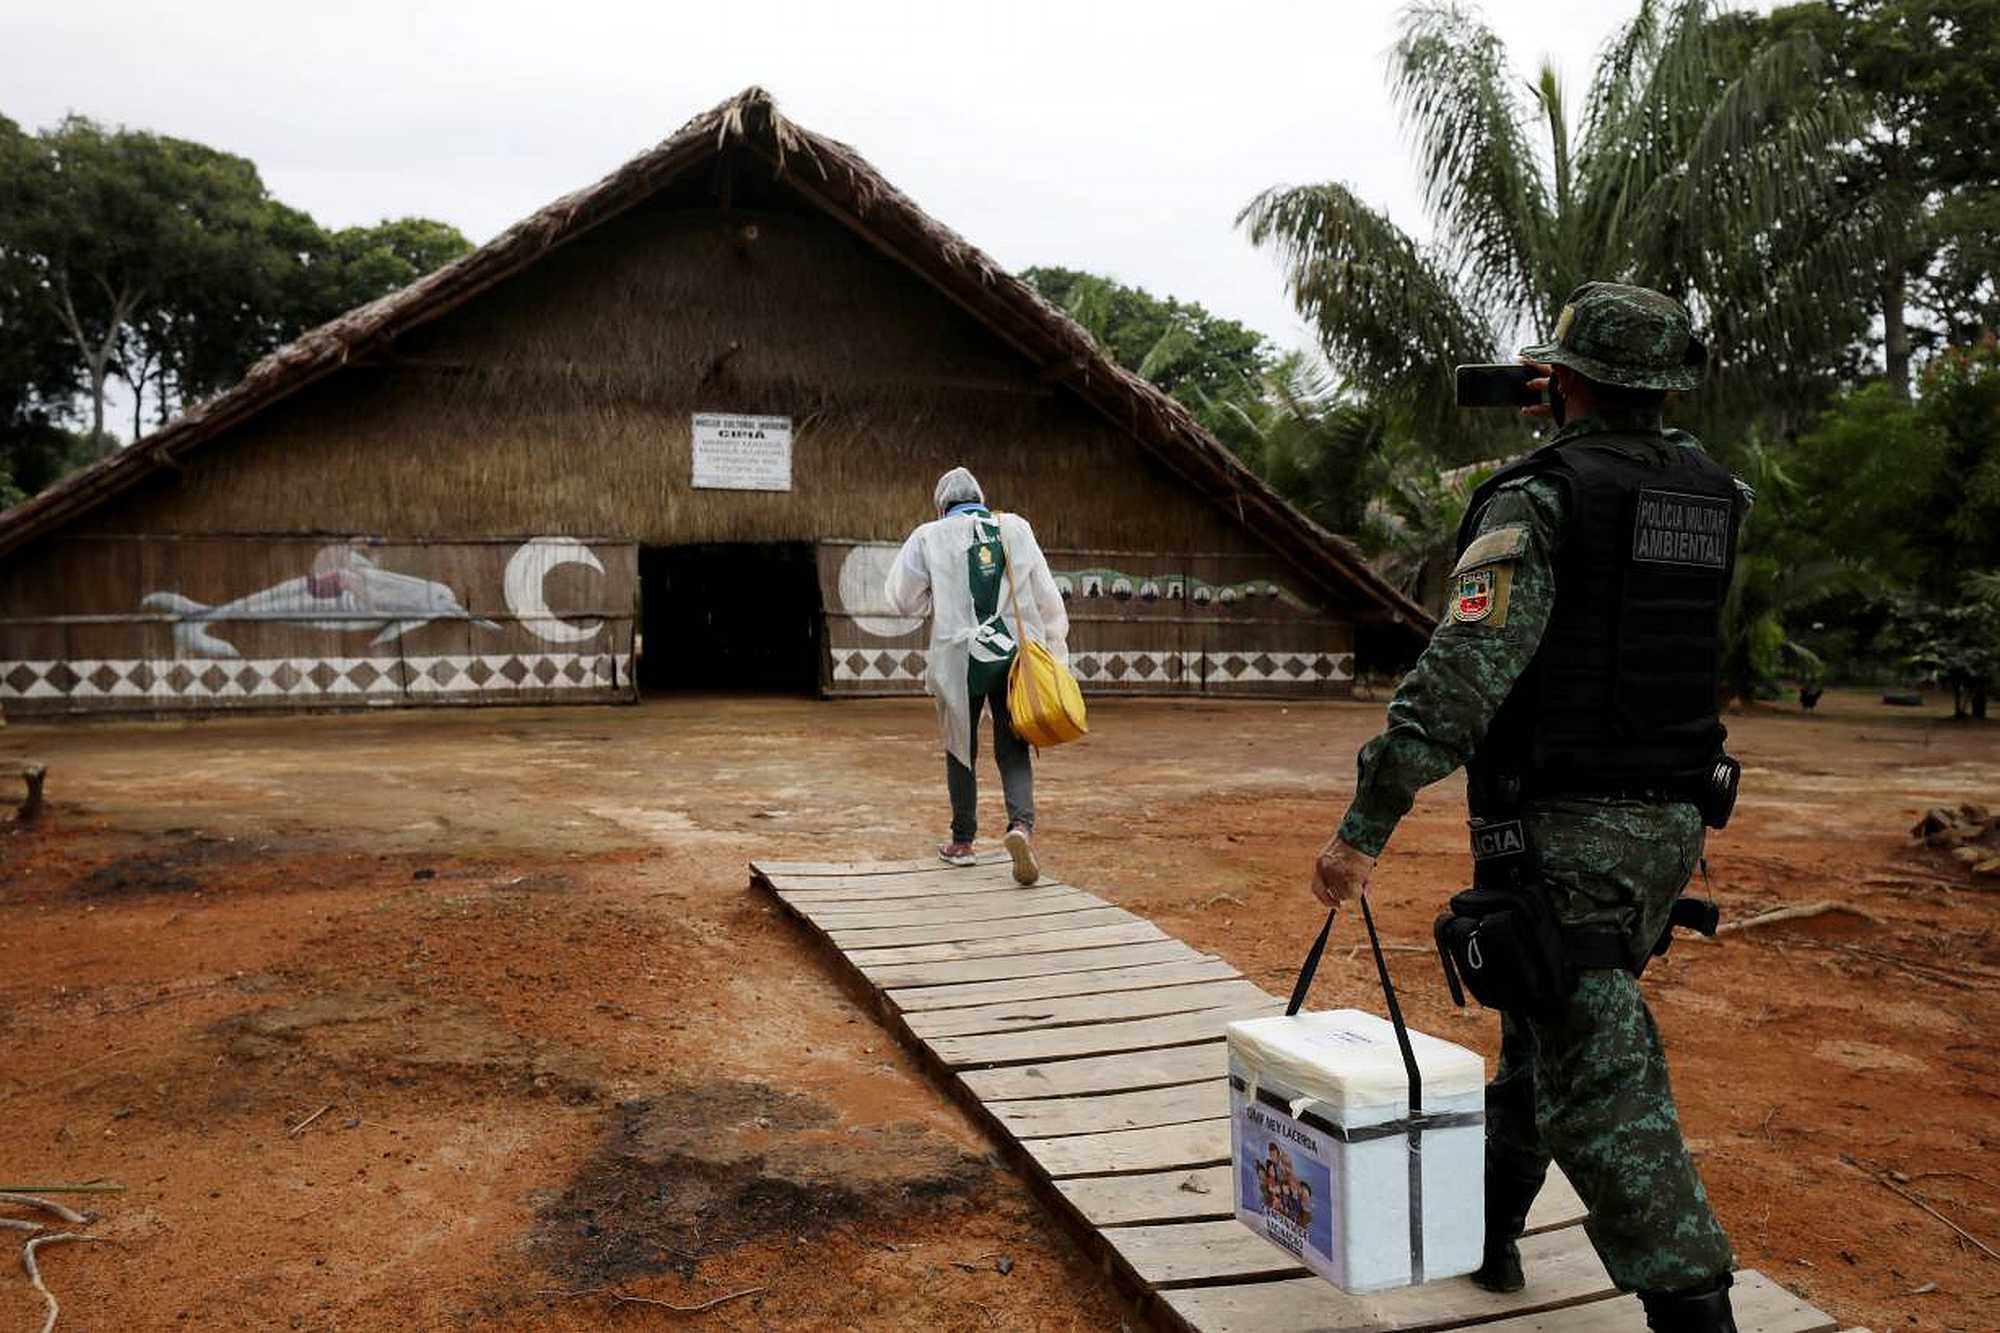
x=969, y=569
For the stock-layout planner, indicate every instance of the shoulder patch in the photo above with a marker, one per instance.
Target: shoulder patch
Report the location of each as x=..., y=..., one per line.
x=1480, y=596
x=1497, y=545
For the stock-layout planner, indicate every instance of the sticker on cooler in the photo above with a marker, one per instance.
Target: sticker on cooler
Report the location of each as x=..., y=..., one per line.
x=1283, y=1178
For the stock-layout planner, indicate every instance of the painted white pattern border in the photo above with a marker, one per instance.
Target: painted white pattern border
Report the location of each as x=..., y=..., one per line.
x=1123, y=667
x=322, y=679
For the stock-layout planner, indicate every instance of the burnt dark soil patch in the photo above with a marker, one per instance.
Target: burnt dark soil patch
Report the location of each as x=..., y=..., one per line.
x=702, y=1170
x=179, y=867
x=397, y=1039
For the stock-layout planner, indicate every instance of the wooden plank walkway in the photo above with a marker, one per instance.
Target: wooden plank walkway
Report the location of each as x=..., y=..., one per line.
x=1089, y=1043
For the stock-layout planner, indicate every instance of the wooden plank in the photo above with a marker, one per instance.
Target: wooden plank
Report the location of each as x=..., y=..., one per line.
x=1129, y=1151
x=1562, y=1270
x=1104, y=1073
x=923, y=911
x=1051, y=1117
x=885, y=937
x=1015, y=1048
x=1761, y=1306
x=770, y=868
x=1099, y=981
x=1187, y=1196
x=1164, y=1196
x=944, y=882
x=1183, y=1252
x=1023, y=1015
x=1028, y=965
x=862, y=893
x=1134, y=931
x=831, y=879
x=1558, y=1205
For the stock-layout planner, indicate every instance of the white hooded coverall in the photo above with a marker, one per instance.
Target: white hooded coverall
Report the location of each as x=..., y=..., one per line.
x=930, y=575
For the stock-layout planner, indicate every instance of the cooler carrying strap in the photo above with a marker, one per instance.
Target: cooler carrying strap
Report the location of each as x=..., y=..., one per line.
x=1416, y=1111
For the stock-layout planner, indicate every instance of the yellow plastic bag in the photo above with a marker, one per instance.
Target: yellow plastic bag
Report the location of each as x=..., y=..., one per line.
x=1043, y=696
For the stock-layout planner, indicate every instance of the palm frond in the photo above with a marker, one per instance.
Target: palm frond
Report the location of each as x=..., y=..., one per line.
x=1304, y=388
x=1387, y=313
x=1091, y=301
x=1648, y=86
x=1555, y=114
x=1482, y=179
x=1613, y=90
x=1711, y=170
x=1172, y=347
x=1316, y=440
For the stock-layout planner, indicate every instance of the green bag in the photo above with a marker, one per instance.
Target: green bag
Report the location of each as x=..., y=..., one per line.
x=992, y=650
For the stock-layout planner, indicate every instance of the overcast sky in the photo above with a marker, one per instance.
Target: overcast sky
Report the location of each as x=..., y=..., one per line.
x=1116, y=137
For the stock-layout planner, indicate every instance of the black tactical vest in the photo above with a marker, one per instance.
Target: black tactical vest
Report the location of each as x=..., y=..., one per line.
x=1623, y=695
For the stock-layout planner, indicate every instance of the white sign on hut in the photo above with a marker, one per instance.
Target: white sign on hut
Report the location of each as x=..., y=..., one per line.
x=742, y=453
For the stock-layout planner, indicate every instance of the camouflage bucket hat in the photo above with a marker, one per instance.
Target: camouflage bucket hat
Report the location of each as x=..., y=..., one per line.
x=1629, y=336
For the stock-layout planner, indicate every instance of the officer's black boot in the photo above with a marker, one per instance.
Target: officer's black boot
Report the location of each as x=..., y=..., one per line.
x=1509, y=1195
x=1702, y=1309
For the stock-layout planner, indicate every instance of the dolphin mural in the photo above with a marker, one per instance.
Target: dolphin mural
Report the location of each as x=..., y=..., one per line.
x=346, y=591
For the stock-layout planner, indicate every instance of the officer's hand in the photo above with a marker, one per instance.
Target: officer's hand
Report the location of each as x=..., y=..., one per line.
x=1340, y=873
x=1540, y=386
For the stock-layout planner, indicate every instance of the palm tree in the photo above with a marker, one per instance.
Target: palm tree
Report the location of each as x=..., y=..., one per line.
x=1350, y=462
x=1705, y=165
x=1410, y=530
x=1308, y=434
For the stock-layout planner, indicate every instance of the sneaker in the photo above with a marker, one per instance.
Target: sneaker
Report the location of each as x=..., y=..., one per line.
x=955, y=853
x=1025, y=870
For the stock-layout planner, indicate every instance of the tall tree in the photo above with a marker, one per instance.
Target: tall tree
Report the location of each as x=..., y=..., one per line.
x=166, y=263
x=1177, y=345
x=113, y=219
x=342, y=269
x=1915, y=487
x=1925, y=158
x=1705, y=163
x=38, y=378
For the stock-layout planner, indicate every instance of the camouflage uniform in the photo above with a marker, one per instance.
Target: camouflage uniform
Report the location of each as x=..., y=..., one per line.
x=1588, y=1085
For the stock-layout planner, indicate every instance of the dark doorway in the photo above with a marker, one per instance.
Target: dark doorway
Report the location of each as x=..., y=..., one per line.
x=731, y=616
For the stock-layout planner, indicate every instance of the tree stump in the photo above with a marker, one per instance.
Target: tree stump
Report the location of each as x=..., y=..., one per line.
x=32, y=776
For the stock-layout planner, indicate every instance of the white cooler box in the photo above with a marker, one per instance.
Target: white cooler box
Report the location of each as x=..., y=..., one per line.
x=1330, y=1165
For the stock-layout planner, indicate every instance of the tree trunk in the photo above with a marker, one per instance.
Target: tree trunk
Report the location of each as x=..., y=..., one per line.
x=98, y=374
x=1896, y=334
x=96, y=356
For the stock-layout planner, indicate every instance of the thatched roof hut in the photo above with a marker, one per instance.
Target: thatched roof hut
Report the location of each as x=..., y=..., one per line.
x=517, y=433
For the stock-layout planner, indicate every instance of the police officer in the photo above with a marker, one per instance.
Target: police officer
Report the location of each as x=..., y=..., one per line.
x=1576, y=673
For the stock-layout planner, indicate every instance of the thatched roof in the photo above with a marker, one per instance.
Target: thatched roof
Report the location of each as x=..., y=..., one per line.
x=834, y=178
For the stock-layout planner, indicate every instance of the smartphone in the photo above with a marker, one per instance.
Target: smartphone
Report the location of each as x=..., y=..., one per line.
x=1497, y=386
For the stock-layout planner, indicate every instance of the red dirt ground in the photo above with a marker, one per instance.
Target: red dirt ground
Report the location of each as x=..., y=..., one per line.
x=566, y=1058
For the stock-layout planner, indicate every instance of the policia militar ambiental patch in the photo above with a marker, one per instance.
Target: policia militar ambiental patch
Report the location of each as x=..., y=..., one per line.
x=1675, y=529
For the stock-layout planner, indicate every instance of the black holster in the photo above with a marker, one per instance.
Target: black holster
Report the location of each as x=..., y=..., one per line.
x=1501, y=940
x=1504, y=945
